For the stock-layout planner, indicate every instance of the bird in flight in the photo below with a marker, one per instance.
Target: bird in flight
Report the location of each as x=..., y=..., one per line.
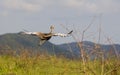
x=46, y=36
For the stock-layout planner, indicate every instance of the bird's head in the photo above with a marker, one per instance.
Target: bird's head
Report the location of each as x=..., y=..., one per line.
x=51, y=28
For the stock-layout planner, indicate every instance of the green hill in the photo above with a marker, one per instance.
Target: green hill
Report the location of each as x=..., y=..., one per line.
x=94, y=49
x=15, y=41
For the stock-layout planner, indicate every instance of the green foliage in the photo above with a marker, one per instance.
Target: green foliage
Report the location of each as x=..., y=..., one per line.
x=52, y=65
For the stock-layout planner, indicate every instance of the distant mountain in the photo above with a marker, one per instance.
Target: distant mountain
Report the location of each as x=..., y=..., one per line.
x=15, y=41
x=89, y=47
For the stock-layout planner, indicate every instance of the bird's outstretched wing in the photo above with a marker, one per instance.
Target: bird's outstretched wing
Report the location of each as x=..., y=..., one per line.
x=62, y=34
x=29, y=33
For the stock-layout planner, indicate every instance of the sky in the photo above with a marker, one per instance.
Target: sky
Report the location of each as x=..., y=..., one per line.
x=76, y=15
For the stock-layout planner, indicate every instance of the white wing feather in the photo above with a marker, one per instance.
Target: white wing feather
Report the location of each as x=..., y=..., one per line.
x=29, y=33
x=60, y=34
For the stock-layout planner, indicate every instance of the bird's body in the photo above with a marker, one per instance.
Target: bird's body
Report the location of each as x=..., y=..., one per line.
x=46, y=36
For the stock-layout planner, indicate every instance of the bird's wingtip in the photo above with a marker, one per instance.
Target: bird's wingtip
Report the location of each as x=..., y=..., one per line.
x=70, y=32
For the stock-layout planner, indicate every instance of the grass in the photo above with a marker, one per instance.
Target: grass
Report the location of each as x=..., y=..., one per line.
x=52, y=65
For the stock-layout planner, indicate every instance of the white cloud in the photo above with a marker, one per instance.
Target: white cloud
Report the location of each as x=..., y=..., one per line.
x=99, y=6
x=21, y=5
x=90, y=6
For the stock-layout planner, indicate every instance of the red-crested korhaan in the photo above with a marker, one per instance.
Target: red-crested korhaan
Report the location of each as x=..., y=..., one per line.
x=46, y=36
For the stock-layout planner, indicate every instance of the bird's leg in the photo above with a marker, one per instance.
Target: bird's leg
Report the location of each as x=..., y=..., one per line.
x=41, y=42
